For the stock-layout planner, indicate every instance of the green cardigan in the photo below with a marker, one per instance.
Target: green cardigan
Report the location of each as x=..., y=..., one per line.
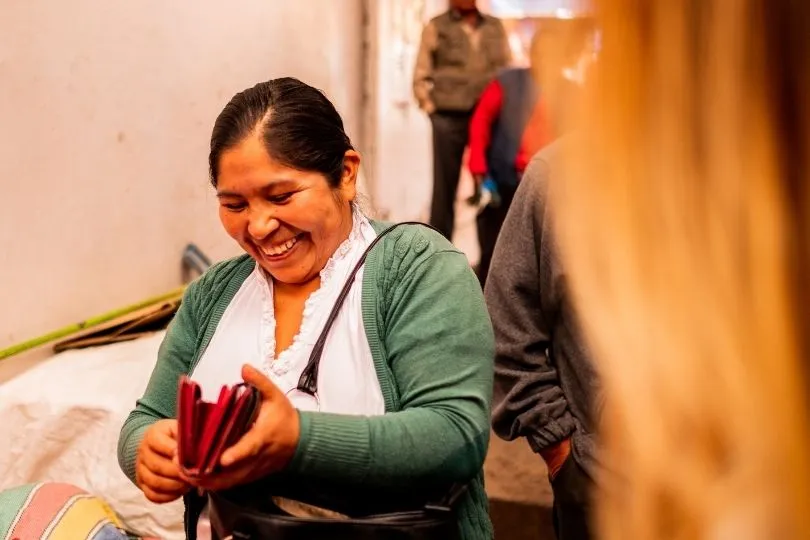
x=432, y=344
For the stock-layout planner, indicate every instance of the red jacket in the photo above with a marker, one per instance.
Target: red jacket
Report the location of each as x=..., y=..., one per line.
x=537, y=134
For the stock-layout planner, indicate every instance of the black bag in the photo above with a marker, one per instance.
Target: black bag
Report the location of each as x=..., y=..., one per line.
x=432, y=522
x=229, y=518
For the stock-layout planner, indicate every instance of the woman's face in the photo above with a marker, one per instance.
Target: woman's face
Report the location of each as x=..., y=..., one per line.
x=289, y=221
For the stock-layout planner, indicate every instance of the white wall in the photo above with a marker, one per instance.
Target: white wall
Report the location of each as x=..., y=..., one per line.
x=402, y=167
x=400, y=138
x=106, y=109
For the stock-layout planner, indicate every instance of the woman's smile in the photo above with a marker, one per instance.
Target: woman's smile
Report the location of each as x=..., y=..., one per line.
x=278, y=251
x=289, y=220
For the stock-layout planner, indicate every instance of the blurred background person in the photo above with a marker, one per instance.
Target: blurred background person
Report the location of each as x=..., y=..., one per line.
x=683, y=217
x=546, y=384
x=460, y=52
x=514, y=120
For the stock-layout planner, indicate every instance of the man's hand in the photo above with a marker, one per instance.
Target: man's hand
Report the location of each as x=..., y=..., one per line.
x=156, y=471
x=555, y=457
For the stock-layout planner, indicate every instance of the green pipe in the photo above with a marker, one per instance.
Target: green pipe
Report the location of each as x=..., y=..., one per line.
x=83, y=325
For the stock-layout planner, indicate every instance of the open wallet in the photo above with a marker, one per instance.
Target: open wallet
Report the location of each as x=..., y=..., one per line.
x=206, y=429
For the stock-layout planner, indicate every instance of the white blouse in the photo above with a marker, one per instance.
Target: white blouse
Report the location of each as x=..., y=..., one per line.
x=347, y=378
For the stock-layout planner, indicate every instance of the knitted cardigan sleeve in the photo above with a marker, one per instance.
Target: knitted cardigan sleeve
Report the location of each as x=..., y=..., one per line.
x=427, y=325
x=174, y=358
x=437, y=339
x=203, y=303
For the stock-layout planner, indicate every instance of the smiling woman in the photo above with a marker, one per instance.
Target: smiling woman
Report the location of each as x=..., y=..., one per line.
x=403, y=379
x=261, y=203
x=285, y=175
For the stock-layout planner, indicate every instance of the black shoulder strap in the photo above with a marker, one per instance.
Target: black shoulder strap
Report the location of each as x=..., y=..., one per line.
x=308, y=382
x=194, y=505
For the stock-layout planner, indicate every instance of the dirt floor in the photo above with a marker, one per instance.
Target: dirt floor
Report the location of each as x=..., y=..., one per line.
x=519, y=492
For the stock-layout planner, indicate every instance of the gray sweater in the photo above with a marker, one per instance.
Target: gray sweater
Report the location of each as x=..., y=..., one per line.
x=545, y=383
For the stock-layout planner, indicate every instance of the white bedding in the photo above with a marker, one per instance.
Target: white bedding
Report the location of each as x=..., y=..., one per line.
x=61, y=419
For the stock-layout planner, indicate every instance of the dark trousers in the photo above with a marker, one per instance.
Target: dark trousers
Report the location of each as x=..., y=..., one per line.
x=488, y=223
x=450, y=132
x=573, y=489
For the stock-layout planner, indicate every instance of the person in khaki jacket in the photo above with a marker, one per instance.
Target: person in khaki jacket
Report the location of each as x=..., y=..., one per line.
x=461, y=51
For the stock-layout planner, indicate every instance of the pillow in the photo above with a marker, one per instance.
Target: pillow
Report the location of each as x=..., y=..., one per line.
x=56, y=511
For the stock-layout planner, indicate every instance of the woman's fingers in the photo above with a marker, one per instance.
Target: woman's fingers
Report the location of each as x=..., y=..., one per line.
x=162, y=439
x=261, y=382
x=156, y=487
x=256, y=453
x=162, y=466
x=159, y=483
x=159, y=498
x=157, y=474
x=234, y=476
x=171, y=429
x=249, y=446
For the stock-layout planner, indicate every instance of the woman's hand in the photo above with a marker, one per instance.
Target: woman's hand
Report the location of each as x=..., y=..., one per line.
x=266, y=448
x=156, y=471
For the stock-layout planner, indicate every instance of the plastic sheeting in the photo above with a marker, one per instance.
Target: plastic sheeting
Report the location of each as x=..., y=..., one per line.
x=60, y=421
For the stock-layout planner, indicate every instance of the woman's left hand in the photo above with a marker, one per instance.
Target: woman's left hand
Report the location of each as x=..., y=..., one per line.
x=266, y=448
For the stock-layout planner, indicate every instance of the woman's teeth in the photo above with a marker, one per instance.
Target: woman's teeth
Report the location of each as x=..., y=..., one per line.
x=280, y=249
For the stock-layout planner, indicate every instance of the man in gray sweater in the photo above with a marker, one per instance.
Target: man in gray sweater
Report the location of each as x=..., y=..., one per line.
x=545, y=383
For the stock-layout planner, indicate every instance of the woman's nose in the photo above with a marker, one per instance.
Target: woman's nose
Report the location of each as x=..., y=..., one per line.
x=261, y=224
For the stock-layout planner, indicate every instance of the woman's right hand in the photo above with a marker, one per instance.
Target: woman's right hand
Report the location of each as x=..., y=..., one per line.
x=156, y=472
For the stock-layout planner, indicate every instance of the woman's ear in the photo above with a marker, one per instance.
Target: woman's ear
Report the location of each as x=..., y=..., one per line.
x=348, y=182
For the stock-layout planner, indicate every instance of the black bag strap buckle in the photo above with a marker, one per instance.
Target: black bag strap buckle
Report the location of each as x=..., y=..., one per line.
x=308, y=381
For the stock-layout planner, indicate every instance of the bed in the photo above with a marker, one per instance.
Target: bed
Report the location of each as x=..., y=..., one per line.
x=61, y=418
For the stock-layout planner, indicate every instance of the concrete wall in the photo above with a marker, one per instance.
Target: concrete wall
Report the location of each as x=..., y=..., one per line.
x=399, y=132
x=400, y=138
x=105, y=114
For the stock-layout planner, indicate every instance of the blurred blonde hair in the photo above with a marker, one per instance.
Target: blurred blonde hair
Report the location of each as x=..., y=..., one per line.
x=683, y=219
x=557, y=44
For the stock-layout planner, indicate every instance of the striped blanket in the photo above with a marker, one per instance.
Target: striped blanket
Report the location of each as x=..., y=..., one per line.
x=56, y=512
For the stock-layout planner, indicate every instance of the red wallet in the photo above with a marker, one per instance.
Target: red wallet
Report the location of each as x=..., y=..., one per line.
x=206, y=429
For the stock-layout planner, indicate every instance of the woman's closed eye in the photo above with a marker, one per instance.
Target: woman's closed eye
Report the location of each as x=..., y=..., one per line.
x=281, y=198
x=234, y=206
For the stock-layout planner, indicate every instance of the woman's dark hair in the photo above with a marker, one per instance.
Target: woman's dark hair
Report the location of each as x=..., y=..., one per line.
x=299, y=126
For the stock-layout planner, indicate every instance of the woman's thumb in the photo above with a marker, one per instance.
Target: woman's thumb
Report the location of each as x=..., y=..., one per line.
x=260, y=381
